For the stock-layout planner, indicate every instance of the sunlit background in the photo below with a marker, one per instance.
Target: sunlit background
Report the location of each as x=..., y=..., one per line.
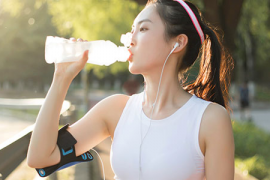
x=25, y=76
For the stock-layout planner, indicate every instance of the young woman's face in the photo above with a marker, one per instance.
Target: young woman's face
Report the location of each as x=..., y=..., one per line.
x=148, y=46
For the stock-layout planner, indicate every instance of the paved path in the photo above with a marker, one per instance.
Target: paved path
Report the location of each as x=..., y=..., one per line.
x=261, y=118
x=9, y=126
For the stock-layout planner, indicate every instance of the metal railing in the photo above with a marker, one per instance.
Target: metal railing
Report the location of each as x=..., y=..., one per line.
x=14, y=150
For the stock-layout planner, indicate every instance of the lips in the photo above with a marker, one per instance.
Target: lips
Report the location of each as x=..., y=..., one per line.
x=130, y=56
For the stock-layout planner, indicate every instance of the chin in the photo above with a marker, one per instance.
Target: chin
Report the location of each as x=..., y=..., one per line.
x=133, y=69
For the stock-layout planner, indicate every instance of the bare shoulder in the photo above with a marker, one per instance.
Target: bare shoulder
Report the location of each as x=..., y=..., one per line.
x=216, y=121
x=116, y=99
x=219, y=142
x=114, y=105
x=97, y=123
x=216, y=113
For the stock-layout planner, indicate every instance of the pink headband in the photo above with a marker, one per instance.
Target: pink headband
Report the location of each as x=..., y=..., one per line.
x=193, y=18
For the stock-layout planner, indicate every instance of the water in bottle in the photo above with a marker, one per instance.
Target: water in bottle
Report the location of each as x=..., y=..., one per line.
x=101, y=52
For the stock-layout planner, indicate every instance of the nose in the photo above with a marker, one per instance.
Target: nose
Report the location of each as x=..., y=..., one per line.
x=131, y=40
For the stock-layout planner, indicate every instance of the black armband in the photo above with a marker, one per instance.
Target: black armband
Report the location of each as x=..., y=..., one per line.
x=65, y=142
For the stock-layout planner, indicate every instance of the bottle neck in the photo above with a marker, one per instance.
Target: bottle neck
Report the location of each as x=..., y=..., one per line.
x=122, y=54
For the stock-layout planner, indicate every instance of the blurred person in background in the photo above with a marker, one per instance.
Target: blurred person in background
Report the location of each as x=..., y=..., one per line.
x=244, y=101
x=131, y=86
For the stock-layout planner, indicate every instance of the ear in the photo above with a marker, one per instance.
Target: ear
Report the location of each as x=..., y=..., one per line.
x=182, y=40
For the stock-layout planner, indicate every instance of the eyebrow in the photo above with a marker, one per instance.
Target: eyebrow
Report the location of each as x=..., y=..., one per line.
x=144, y=20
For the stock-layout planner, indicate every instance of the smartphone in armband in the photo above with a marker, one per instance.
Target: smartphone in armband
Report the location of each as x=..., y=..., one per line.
x=65, y=142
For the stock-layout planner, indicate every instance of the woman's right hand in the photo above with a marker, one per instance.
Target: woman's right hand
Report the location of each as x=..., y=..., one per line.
x=69, y=70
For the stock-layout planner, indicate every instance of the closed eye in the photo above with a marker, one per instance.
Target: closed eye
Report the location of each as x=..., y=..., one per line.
x=143, y=29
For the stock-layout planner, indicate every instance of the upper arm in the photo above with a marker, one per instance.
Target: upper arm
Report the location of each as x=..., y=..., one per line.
x=219, y=141
x=92, y=128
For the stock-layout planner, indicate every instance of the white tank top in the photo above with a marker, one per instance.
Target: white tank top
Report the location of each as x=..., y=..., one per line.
x=170, y=150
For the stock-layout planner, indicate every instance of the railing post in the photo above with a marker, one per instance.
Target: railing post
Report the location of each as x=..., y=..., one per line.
x=14, y=150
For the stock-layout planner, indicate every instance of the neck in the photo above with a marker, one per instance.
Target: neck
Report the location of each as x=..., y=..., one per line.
x=169, y=95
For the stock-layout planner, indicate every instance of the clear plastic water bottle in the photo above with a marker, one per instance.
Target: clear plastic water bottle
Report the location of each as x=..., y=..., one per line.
x=101, y=52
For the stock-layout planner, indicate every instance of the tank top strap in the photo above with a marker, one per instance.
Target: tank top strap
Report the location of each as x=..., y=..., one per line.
x=201, y=107
x=131, y=109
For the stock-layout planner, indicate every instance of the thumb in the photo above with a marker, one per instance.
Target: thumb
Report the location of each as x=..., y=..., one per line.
x=85, y=56
x=84, y=59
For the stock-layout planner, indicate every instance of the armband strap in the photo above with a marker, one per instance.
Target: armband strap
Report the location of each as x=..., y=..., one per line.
x=65, y=142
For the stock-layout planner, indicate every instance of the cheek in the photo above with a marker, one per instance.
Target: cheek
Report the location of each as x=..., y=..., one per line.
x=156, y=56
x=153, y=49
x=151, y=53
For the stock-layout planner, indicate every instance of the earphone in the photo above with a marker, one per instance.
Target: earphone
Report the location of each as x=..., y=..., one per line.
x=175, y=46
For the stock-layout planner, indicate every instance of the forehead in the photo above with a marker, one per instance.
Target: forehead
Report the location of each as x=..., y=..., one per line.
x=148, y=12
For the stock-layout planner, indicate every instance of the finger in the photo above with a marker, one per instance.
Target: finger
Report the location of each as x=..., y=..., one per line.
x=81, y=63
x=72, y=39
x=86, y=54
x=85, y=57
x=80, y=40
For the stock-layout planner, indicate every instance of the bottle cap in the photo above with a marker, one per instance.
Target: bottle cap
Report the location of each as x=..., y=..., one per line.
x=126, y=39
x=122, y=54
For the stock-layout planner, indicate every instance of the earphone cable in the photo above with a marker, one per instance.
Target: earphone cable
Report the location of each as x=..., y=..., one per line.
x=153, y=106
x=101, y=163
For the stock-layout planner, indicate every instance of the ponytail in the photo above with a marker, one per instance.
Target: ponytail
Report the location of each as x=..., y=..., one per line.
x=214, y=75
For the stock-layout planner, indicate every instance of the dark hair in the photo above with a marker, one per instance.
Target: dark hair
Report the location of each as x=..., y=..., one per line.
x=214, y=76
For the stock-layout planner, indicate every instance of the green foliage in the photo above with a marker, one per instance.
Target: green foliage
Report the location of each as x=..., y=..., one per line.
x=252, y=149
x=255, y=166
x=24, y=26
x=14, y=7
x=198, y=3
x=262, y=93
x=254, y=31
x=250, y=140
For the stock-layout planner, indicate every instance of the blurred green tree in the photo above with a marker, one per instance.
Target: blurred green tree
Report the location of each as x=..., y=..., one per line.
x=23, y=29
x=253, y=41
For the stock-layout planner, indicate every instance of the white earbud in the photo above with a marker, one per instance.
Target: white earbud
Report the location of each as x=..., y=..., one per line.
x=176, y=44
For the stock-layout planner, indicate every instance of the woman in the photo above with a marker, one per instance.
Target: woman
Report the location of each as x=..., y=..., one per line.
x=169, y=131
